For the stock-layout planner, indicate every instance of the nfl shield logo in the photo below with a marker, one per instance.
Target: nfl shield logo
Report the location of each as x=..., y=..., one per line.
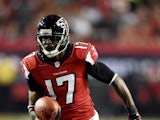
x=57, y=64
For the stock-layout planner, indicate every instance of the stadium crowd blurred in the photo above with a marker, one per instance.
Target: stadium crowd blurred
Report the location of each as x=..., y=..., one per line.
x=122, y=22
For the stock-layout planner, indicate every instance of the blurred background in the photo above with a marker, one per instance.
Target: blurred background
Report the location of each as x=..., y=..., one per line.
x=126, y=34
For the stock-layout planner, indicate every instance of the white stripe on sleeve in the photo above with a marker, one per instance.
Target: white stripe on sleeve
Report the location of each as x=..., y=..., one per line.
x=114, y=77
x=26, y=72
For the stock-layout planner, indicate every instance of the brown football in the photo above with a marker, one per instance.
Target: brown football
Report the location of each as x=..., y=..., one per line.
x=47, y=106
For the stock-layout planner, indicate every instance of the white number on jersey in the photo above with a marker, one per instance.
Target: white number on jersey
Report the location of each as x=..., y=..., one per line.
x=70, y=78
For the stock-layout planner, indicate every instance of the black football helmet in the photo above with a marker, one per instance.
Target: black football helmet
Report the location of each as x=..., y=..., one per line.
x=53, y=35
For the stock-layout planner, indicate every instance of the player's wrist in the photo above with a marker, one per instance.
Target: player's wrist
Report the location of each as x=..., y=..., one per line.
x=32, y=113
x=133, y=113
x=30, y=108
x=132, y=110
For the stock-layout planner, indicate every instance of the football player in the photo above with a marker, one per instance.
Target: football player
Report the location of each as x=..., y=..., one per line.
x=59, y=69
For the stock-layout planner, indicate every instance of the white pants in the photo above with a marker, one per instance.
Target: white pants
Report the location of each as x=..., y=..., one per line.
x=95, y=117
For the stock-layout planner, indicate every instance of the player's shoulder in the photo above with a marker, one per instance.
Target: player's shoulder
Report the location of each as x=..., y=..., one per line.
x=30, y=57
x=85, y=51
x=29, y=60
x=81, y=49
x=82, y=45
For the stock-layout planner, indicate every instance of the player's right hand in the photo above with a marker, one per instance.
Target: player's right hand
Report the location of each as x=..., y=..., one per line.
x=33, y=115
x=53, y=116
x=44, y=116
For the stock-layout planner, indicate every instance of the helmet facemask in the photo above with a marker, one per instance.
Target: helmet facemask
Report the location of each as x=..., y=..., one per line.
x=53, y=41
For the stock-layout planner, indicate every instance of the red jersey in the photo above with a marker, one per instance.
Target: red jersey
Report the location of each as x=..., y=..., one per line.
x=66, y=82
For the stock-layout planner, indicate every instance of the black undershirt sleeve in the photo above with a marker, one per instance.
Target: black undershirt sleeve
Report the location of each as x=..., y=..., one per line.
x=33, y=85
x=100, y=71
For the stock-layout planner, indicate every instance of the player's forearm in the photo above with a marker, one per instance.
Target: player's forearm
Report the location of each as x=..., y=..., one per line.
x=124, y=93
x=32, y=96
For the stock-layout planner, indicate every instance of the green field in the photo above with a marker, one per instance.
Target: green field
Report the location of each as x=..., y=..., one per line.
x=25, y=117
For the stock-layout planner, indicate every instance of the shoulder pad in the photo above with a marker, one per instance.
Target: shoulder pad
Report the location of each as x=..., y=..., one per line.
x=86, y=51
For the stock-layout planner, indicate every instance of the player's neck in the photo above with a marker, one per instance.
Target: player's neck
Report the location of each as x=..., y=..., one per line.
x=66, y=53
x=60, y=56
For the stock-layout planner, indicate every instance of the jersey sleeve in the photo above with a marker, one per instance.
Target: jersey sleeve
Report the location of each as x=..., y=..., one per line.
x=86, y=51
x=27, y=64
x=101, y=72
x=24, y=69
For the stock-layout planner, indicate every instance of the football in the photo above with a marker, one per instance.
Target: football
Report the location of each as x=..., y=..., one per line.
x=46, y=106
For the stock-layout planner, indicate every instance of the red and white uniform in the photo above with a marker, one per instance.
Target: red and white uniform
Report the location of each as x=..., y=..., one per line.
x=66, y=82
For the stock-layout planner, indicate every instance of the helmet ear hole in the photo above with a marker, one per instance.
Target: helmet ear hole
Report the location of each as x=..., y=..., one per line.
x=55, y=28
